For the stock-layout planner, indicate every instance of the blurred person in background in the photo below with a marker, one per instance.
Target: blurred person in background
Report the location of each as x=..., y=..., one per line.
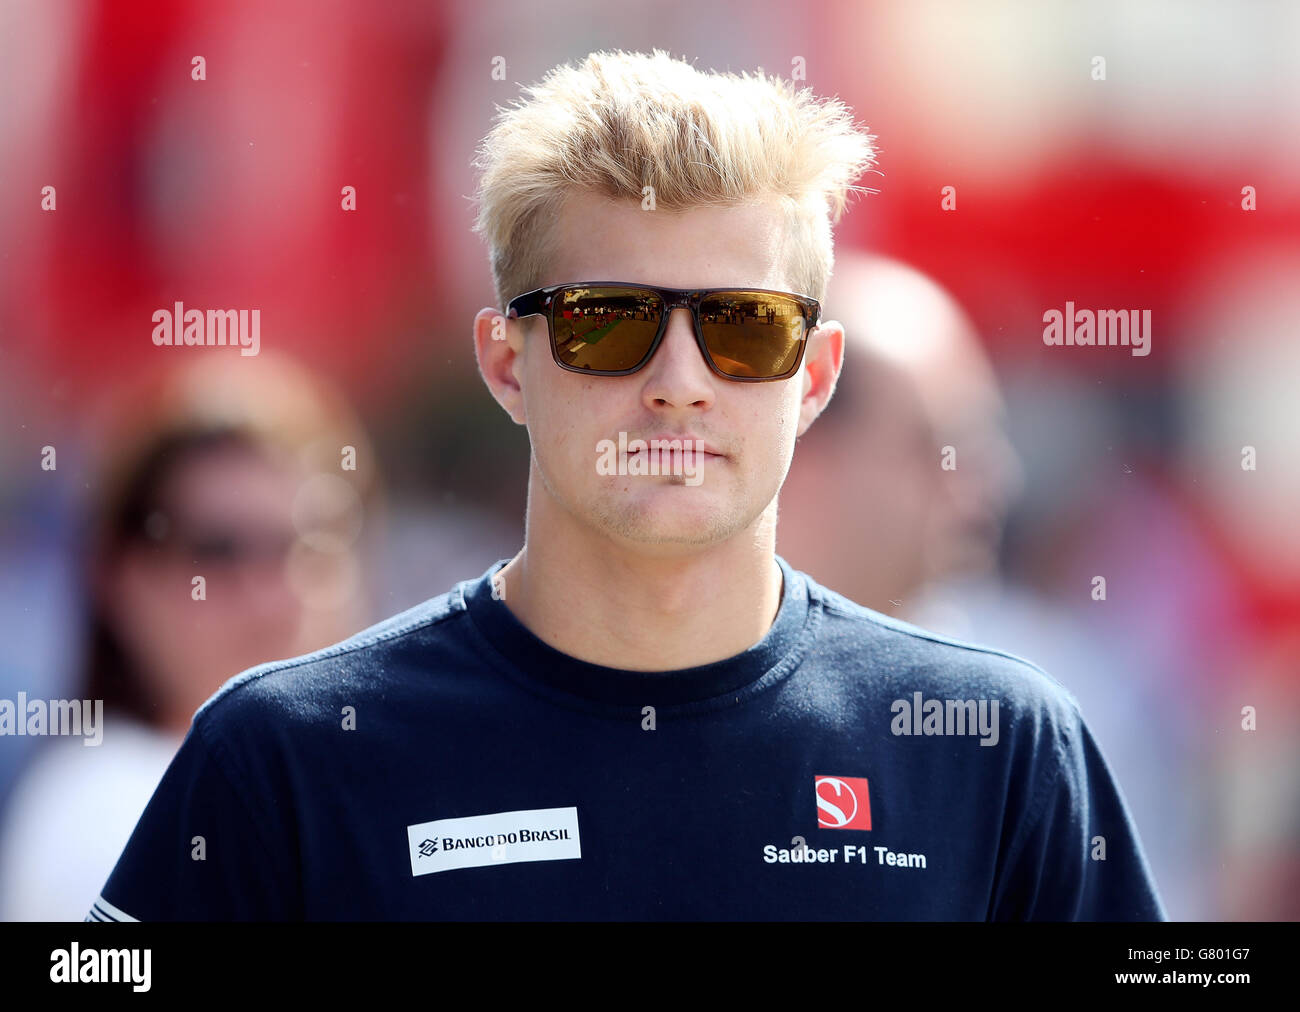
x=237, y=471
x=870, y=475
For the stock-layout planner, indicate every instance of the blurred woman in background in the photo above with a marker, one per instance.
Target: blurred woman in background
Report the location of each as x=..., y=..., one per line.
x=225, y=532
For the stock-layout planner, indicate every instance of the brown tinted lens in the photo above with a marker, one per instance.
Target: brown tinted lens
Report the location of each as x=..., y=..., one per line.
x=752, y=334
x=605, y=329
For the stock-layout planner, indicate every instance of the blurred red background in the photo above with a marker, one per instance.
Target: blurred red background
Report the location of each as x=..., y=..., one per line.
x=1119, y=192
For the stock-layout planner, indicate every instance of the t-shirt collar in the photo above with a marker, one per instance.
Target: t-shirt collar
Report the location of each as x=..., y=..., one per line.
x=528, y=656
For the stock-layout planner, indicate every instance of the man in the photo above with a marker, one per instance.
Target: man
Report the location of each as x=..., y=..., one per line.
x=646, y=714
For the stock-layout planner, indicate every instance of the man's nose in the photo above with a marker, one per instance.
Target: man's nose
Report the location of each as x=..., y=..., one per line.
x=678, y=373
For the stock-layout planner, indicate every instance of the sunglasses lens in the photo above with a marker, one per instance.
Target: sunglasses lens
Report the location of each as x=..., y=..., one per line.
x=752, y=335
x=605, y=329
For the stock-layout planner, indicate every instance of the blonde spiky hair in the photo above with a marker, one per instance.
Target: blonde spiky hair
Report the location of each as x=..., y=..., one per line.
x=622, y=121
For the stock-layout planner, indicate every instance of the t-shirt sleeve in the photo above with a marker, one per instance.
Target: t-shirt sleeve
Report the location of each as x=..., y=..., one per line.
x=202, y=850
x=1078, y=856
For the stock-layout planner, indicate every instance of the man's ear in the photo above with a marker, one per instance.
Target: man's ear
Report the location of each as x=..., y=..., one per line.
x=499, y=349
x=822, y=361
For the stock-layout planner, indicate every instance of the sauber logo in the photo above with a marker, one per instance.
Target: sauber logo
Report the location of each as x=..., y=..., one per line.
x=842, y=803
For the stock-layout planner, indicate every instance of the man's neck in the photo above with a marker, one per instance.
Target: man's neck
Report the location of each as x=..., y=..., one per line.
x=624, y=607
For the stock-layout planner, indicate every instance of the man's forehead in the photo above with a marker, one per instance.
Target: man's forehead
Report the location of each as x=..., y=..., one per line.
x=597, y=237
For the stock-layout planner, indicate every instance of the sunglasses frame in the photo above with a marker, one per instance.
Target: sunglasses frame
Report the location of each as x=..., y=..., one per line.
x=541, y=302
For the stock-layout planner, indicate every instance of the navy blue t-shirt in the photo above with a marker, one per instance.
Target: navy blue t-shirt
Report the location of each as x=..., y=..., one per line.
x=447, y=764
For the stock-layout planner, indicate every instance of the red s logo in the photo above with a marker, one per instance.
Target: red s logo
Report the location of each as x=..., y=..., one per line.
x=842, y=802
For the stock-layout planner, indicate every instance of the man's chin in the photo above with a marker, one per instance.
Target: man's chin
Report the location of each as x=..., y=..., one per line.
x=665, y=524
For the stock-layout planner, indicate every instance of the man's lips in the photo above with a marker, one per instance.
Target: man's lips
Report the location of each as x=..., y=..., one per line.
x=689, y=444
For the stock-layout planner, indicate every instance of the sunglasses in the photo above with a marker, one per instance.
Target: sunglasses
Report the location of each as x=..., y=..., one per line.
x=606, y=328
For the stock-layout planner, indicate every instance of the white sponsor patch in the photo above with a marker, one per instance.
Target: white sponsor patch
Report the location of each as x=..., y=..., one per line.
x=540, y=834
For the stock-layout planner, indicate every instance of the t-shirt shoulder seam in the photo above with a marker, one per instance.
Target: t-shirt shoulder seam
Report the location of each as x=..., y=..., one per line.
x=228, y=769
x=916, y=632
x=223, y=761
x=1062, y=748
x=340, y=649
